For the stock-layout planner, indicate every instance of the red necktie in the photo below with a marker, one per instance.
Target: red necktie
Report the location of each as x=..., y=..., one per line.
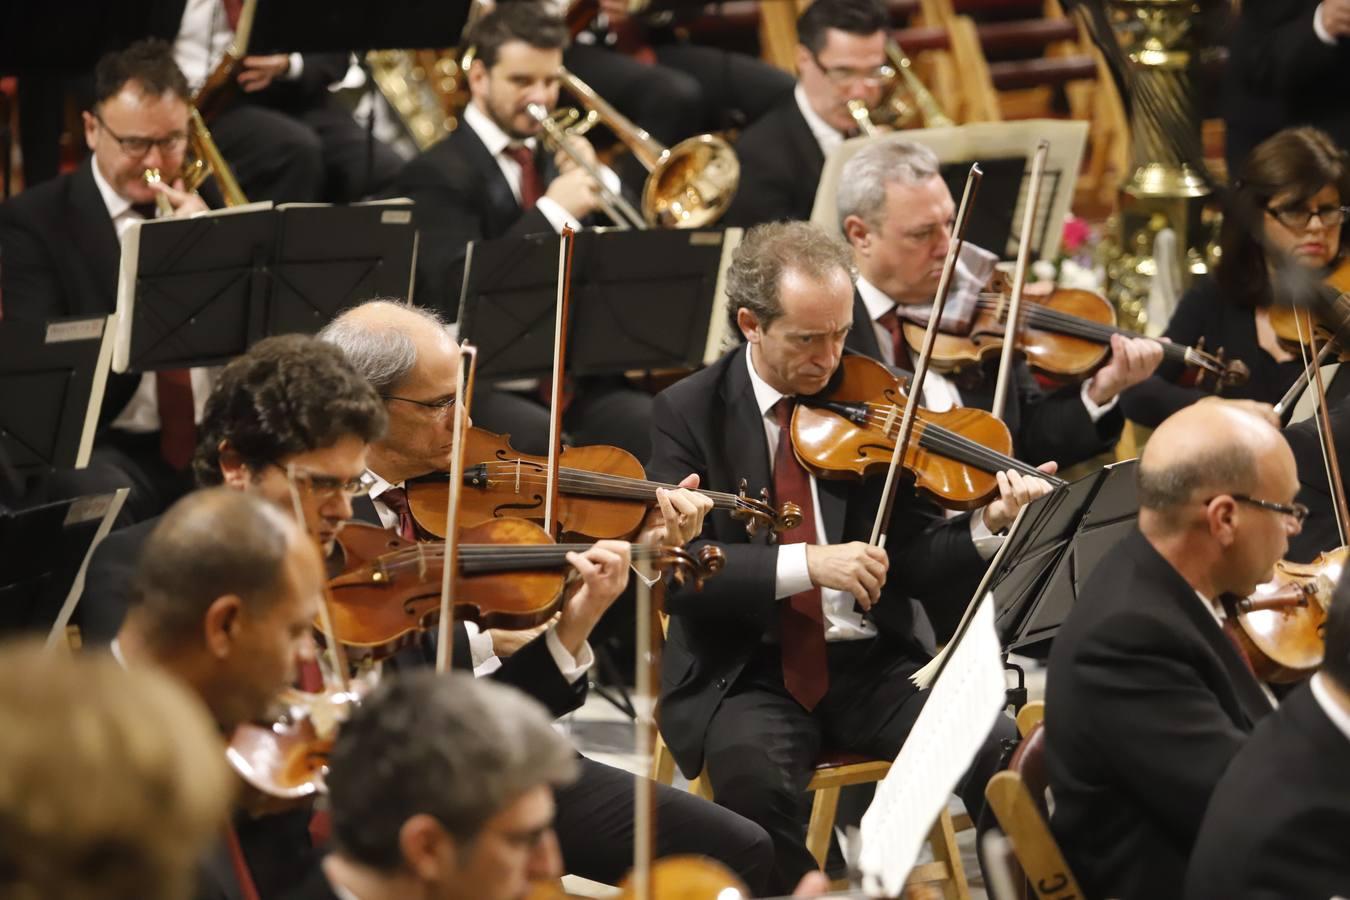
x=177, y=416
x=805, y=671
x=247, y=889
x=891, y=322
x=529, y=176
x=232, y=10
x=396, y=498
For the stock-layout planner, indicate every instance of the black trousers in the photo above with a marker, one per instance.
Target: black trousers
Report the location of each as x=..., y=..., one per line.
x=761, y=744
x=595, y=829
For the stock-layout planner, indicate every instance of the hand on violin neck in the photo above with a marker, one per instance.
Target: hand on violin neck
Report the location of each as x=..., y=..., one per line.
x=603, y=570
x=855, y=567
x=1015, y=491
x=1132, y=361
x=678, y=515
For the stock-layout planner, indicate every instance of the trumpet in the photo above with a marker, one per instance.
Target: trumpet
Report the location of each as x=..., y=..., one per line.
x=689, y=185
x=899, y=113
x=203, y=159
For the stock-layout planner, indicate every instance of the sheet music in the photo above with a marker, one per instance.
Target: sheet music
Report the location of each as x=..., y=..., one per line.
x=720, y=338
x=106, y=506
x=100, y=329
x=967, y=699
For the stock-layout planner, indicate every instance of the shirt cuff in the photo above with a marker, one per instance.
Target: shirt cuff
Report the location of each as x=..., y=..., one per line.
x=792, y=576
x=1094, y=411
x=556, y=215
x=985, y=541
x=572, y=668
x=297, y=66
x=1320, y=30
x=480, y=644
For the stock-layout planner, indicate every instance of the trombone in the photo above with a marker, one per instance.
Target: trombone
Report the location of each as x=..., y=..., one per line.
x=927, y=106
x=614, y=203
x=203, y=159
x=689, y=185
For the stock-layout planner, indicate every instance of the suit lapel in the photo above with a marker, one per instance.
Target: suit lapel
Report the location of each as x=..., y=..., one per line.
x=803, y=140
x=746, y=449
x=92, y=231
x=863, y=337
x=501, y=208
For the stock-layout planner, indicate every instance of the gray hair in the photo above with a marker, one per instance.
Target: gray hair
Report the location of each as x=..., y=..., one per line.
x=865, y=177
x=383, y=353
x=457, y=749
x=765, y=253
x=1225, y=468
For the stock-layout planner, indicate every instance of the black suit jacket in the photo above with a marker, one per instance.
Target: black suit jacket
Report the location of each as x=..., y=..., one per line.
x=1147, y=701
x=781, y=164
x=461, y=196
x=1044, y=425
x=1278, y=825
x=1319, y=532
x=61, y=254
x=709, y=423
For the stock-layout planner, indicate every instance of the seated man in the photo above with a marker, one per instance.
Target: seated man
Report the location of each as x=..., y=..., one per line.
x=1148, y=699
x=772, y=661
x=841, y=56
x=1277, y=822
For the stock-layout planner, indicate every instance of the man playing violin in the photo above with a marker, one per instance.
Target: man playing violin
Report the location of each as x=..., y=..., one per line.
x=896, y=211
x=1149, y=696
x=408, y=355
x=809, y=644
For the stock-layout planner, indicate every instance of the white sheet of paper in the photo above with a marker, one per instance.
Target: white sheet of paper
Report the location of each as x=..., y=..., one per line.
x=968, y=697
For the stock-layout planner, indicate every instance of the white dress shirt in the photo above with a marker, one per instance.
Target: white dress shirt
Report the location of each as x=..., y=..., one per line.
x=1335, y=712
x=204, y=34
x=485, y=660
x=141, y=414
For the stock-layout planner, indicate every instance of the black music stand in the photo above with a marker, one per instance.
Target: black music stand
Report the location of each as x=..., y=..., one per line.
x=44, y=552
x=641, y=300
x=52, y=377
x=201, y=291
x=999, y=190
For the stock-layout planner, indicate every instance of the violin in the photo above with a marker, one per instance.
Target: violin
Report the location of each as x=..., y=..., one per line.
x=850, y=430
x=287, y=758
x=511, y=575
x=602, y=491
x=1065, y=334
x=1281, y=623
x=1290, y=323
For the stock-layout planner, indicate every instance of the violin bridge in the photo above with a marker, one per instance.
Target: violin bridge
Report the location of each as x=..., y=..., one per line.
x=517, y=475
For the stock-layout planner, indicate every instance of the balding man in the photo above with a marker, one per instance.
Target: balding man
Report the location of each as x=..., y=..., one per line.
x=1148, y=698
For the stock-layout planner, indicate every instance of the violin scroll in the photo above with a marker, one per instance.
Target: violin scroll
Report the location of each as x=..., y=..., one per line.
x=698, y=566
x=758, y=513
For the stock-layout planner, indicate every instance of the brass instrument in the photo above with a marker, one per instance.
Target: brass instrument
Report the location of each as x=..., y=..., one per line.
x=689, y=185
x=556, y=126
x=893, y=112
x=425, y=89
x=202, y=160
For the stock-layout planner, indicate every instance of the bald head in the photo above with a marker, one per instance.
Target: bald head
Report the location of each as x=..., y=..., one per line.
x=384, y=339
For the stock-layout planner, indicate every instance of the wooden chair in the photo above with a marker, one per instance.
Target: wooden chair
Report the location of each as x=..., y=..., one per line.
x=1018, y=797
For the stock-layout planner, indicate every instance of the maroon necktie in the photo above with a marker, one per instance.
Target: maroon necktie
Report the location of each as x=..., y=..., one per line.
x=891, y=322
x=177, y=416
x=396, y=498
x=805, y=672
x=247, y=889
x=529, y=176
x=232, y=10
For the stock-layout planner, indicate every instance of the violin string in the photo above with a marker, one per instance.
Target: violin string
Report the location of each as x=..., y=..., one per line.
x=636, y=488
x=1075, y=326
x=540, y=554
x=950, y=443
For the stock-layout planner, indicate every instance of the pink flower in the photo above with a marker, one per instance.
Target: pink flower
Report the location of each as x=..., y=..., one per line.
x=1076, y=233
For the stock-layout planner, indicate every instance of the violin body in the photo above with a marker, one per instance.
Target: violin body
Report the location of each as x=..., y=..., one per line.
x=1281, y=629
x=831, y=445
x=502, y=482
x=1291, y=323
x=687, y=878
x=287, y=758
x=390, y=588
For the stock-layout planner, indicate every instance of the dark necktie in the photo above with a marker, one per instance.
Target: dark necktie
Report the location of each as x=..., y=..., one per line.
x=177, y=416
x=145, y=210
x=529, y=175
x=232, y=10
x=396, y=498
x=805, y=671
x=247, y=889
x=891, y=322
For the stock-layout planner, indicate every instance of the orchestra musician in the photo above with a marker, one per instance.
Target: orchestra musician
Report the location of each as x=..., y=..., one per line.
x=896, y=212
x=1320, y=531
x=492, y=177
x=115, y=784
x=771, y=662
x=61, y=242
x=841, y=56
x=408, y=355
x=1148, y=698
x=1277, y=821
x=1299, y=181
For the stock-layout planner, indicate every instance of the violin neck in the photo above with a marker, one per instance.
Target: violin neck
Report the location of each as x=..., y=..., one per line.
x=1064, y=323
x=585, y=483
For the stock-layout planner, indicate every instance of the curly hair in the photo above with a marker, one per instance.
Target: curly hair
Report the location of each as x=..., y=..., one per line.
x=287, y=395
x=765, y=253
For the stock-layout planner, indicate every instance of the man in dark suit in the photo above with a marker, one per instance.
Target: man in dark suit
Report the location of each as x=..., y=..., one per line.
x=1148, y=697
x=1282, y=59
x=61, y=243
x=896, y=211
x=1278, y=820
x=841, y=56
x=493, y=178
x=772, y=661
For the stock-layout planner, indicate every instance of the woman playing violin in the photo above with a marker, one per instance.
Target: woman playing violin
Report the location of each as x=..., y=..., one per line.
x=1300, y=181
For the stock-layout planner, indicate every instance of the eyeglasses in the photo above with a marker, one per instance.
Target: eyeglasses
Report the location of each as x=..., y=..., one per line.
x=1296, y=218
x=1296, y=511
x=136, y=147
x=440, y=407
x=840, y=76
x=331, y=485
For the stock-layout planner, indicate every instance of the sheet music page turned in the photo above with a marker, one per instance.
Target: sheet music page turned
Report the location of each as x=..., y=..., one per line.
x=968, y=697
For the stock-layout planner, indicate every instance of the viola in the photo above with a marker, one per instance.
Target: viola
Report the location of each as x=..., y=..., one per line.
x=1065, y=334
x=602, y=491
x=1281, y=623
x=850, y=430
x=286, y=758
x=511, y=575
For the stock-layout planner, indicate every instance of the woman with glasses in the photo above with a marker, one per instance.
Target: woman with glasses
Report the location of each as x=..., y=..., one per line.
x=1300, y=180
